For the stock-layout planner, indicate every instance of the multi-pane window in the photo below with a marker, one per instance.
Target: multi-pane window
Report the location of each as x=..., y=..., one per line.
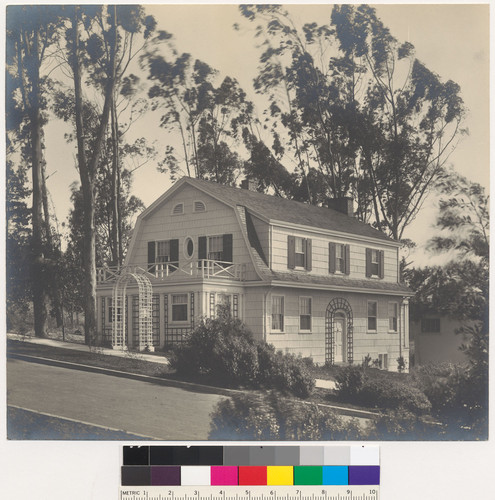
x=215, y=248
x=430, y=325
x=305, y=313
x=392, y=316
x=300, y=252
x=339, y=258
x=179, y=307
x=162, y=251
x=372, y=314
x=277, y=313
x=375, y=263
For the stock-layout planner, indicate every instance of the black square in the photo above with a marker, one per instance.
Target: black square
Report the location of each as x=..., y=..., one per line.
x=136, y=455
x=186, y=455
x=162, y=455
x=211, y=455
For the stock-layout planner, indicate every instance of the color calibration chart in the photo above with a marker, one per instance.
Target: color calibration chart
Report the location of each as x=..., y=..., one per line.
x=250, y=473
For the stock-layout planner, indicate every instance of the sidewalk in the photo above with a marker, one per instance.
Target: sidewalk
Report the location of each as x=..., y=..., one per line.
x=322, y=384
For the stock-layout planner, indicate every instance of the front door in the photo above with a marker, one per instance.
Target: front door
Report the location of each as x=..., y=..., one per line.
x=340, y=338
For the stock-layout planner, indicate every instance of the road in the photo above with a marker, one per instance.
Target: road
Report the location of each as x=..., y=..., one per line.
x=138, y=407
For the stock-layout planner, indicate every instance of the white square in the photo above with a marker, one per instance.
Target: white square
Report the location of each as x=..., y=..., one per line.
x=195, y=475
x=365, y=455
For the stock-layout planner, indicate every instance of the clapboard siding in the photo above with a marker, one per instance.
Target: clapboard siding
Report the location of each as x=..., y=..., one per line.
x=320, y=254
x=313, y=344
x=217, y=220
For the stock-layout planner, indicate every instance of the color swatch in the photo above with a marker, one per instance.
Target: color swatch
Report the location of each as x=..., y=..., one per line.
x=250, y=465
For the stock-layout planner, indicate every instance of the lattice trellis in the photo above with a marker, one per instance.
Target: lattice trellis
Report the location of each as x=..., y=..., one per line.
x=336, y=305
x=144, y=320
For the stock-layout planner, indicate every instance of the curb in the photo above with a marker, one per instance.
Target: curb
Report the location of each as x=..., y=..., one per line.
x=173, y=383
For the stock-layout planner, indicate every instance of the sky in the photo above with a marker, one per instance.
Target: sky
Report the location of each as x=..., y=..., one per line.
x=451, y=39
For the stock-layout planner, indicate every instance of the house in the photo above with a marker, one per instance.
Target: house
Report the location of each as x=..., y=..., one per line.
x=312, y=281
x=436, y=338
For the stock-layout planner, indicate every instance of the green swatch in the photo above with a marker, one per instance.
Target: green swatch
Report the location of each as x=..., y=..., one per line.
x=308, y=475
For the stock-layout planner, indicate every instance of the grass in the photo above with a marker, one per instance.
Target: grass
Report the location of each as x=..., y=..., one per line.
x=26, y=424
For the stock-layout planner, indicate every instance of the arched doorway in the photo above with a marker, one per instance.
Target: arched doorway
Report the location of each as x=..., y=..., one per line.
x=338, y=332
x=145, y=330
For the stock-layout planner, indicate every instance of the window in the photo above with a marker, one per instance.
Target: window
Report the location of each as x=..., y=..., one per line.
x=277, y=313
x=224, y=301
x=392, y=316
x=215, y=248
x=305, y=313
x=430, y=325
x=199, y=206
x=383, y=361
x=372, y=314
x=374, y=263
x=299, y=253
x=189, y=247
x=339, y=258
x=162, y=251
x=179, y=307
x=178, y=209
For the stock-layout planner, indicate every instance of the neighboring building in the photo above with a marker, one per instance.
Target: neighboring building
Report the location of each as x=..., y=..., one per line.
x=436, y=339
x=312, y=281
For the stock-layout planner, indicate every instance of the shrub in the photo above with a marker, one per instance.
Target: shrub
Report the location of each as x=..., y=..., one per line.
x=402, y=424
x=272, y=417
x=384, y=393
x=349, y=381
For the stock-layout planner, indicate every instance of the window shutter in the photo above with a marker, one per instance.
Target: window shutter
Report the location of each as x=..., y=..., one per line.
x=309, y=255
x=174, y=250
x=291, y=253
x=151, y=256
x=368, y=262
x=331, y=258
x=202, y=247
x=381, y=271
x=347, y=250
x=227, y=248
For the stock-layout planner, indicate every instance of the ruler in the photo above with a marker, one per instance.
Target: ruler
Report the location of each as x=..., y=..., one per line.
x=249, y=493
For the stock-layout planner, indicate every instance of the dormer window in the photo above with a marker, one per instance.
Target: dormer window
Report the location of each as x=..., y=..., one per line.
x=178, y=209
x=199, y=206
x=299, y=253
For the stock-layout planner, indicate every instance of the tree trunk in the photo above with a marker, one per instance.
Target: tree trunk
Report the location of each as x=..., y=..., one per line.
x=115, y=223
x=38, y=266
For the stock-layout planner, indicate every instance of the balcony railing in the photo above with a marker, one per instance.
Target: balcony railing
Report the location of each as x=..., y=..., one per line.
x=165, y=271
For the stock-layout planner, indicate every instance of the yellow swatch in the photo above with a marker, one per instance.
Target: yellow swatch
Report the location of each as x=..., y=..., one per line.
x=279, y=475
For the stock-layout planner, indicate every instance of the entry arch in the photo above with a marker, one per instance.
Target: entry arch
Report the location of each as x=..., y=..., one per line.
x=335, y=308
x=119, y=313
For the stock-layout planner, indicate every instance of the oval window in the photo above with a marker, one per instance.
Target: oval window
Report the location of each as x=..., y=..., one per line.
x=189, y=247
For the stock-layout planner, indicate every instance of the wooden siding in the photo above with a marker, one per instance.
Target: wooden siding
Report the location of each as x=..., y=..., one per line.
x=218, y=219
x=313, y=344
x=320, y=254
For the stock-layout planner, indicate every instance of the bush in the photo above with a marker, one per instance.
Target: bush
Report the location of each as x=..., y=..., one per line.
x=272, y=417
x=225, y=350
x=402, y=424
x=384, y=393
x=349, y=381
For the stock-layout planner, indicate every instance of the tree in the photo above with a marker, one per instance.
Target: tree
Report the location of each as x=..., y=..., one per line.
x=358, y=107
x=102, y=53
x=208, y=116
x=31, y=30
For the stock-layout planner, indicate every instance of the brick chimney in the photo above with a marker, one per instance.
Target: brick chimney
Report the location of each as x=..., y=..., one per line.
x=343, y=205
x=249, y=184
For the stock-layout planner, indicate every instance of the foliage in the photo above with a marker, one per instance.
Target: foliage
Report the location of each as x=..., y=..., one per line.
x=350, y=102
x=272, y=417
x=206, y=113
x=403, y=424
x=350, y=380
x=225, y=350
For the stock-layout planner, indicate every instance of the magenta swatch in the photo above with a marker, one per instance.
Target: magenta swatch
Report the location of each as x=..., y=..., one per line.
x=224, y=475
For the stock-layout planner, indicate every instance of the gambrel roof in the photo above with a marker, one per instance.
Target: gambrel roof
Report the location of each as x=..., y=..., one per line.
x=273, y=208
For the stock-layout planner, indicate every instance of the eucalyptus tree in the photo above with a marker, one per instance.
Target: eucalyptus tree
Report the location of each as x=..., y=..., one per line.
x=31, y=32
x=101, y=45
x=207, y=114
x=349, y=100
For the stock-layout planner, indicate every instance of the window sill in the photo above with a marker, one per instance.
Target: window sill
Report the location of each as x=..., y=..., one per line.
x=305, y=332
x=179, y=323
x=372, y=331
x=392, y=331
x=277, y=332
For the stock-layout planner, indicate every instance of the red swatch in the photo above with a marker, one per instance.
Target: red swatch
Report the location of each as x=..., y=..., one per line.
x=252, y=475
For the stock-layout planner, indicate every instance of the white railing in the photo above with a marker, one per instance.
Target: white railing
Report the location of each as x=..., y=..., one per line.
x=203, y=268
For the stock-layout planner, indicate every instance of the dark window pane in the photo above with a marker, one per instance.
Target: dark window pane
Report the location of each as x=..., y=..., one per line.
x=179, y=312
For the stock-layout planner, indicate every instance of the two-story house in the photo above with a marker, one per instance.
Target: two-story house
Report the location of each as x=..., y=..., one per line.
x=312, y=281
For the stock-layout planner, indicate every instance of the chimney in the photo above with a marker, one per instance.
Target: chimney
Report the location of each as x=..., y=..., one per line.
x=249, y=184
x=343, y=205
